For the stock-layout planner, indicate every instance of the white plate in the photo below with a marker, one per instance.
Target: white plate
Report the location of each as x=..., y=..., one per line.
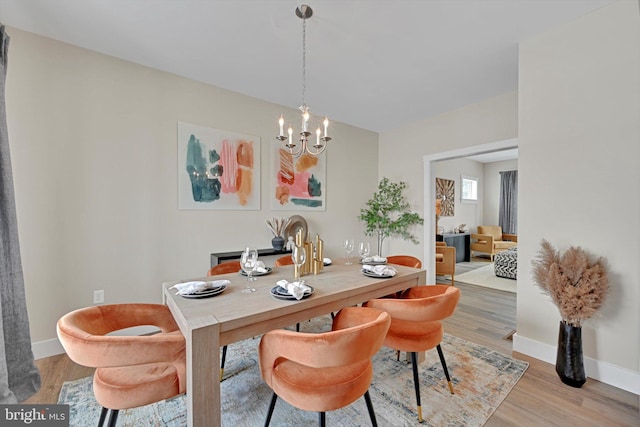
x=377, y=276
x=256, y=273
x=373, y=262
x=281, y=293
x=206, y=293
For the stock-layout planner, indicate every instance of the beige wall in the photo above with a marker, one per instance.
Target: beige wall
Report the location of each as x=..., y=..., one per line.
x=402, y=150
x=579, y=142
x=94, y=152
x=464, y=213
x=579, y=109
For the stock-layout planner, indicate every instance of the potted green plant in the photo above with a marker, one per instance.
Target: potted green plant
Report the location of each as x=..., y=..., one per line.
x=578, y=288
x=388, y=214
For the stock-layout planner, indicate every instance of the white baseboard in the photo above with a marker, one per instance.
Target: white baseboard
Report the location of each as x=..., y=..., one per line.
x=52, y=347
x=607, y=373
x=48, y=348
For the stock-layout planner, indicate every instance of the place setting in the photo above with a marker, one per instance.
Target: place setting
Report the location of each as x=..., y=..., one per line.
x=200, y=289
x=364, y=249
x=378, y=271
x=260, y=270
x=298, y=289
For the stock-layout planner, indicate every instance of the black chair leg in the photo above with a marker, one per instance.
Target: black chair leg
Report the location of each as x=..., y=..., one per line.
x=372, y=414
x=271, y=406
x=113, y=418
x=416, y=383
x=224, y=359
x=297, y=327
x=321, y=419
x=444, y=366
x=103, y=416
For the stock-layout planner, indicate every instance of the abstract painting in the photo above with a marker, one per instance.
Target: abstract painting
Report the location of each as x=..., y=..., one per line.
x=445, y=191
x=297, y=183
x=217, y=169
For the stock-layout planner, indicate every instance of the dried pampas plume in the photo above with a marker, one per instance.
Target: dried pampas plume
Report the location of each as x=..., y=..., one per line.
x=577, y=286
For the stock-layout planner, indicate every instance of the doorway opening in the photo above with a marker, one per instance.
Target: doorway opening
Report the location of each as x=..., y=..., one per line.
x=429, y=191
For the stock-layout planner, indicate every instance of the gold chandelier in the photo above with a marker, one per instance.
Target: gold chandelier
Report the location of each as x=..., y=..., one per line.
x=304, y=12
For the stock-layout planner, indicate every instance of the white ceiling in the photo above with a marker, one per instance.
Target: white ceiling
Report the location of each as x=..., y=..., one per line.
x=375, y=64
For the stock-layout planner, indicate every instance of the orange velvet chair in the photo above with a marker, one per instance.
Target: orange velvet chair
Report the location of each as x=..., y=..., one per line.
x=406, y=260
x=132, y=371
x=284, y=260
x=224, y=268
x=416, y=323
x=445, y=260
x=326, y=371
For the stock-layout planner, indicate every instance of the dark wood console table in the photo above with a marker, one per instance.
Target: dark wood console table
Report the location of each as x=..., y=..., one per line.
x=220, y=257
x=460, y=241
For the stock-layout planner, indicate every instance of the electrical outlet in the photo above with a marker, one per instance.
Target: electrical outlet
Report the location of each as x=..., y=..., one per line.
x=98, y=297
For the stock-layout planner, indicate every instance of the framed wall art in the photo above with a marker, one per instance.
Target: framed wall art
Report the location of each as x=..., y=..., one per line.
x=297, y=183
x=445, y=191
x=217, y=169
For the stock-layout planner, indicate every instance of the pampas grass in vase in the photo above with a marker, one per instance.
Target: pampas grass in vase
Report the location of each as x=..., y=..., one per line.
x=278, y=225
x=578, y=288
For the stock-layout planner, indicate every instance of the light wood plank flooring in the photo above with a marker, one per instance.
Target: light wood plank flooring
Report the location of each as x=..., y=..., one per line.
x=484, y=316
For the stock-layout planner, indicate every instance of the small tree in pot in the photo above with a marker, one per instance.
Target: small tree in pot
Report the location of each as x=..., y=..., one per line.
x=578, y=287
x=388, y=214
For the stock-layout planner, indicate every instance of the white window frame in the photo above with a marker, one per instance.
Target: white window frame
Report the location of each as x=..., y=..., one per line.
x=470, y=199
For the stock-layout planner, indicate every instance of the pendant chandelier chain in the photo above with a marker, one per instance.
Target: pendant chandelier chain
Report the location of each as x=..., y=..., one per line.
x=304, y=60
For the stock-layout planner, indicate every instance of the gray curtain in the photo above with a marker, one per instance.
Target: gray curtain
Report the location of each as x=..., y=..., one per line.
x=508, y=215
x=19, y=377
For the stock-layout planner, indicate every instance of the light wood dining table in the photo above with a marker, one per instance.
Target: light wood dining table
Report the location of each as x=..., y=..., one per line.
x=210, y=323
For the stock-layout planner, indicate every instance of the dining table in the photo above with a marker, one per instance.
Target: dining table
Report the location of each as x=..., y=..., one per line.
x=208, y=324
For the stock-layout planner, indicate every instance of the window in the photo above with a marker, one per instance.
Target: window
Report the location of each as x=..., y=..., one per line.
x=469, y=193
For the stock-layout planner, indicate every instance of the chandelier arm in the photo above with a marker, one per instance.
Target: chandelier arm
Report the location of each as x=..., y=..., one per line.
x=316, y=152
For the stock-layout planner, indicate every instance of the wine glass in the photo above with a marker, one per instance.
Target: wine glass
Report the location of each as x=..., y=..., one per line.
x=364, y=249
x=298, y=256
x=248, y=263
x=348, y=248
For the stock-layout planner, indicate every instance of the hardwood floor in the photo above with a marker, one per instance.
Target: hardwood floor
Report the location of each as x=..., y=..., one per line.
x=484, y=316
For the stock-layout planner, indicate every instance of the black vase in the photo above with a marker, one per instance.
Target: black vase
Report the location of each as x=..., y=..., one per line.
x=278, y=243
x=569, y=362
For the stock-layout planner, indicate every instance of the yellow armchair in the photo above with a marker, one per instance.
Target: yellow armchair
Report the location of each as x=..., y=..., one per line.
x=445, y=260
x=491, y=240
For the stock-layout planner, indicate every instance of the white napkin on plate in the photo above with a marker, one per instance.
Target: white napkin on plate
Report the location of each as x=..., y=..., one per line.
x=260, y=267
x=380, y=270
x=197, y=286
x=374, y=258
x=297, y=289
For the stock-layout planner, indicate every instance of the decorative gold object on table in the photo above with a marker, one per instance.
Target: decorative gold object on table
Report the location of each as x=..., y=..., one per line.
x=314, y=261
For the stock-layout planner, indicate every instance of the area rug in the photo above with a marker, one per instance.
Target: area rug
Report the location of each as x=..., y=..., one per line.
x=485, y=276
x=482, y=379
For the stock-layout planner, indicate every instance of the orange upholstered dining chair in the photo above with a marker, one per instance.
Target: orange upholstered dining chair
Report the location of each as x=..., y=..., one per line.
x=224, y=268
x=284, y=260
x=416, y=323
x=326, y=371
x=406, y=260
x=131, y=370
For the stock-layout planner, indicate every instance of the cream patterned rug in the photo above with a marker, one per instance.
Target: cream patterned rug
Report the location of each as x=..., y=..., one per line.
x=485, y=276
x=482, y=379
